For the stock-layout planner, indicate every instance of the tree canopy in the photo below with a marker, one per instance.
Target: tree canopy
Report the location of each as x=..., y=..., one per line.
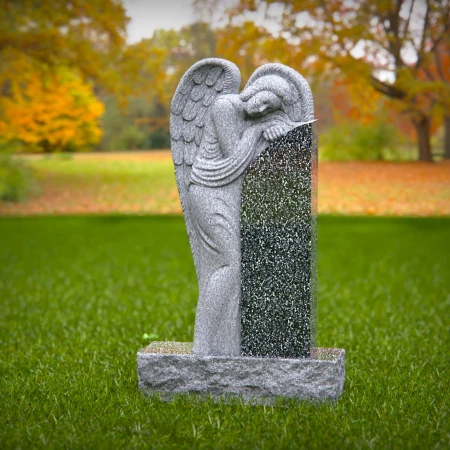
x=84, y=35
x=49, y=110
x=50, y=54
x=368, y=58
x=391, y=46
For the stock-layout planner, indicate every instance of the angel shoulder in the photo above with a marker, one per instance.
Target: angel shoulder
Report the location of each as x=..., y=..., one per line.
x=228, y=114
x=227, y=122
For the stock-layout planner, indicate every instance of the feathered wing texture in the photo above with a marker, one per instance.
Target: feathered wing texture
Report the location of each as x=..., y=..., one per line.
x=198, y=89
x=300, y=108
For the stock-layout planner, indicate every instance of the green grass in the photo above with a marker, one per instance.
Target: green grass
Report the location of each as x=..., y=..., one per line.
x=77, y=295
x=141, y=178
x=97, y=170
x=91, y=183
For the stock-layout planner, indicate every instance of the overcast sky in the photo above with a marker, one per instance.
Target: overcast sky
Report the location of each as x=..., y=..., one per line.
x=149, y=15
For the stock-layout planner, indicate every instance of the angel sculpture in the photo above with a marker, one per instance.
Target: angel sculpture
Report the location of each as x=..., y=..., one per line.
x=215, y=134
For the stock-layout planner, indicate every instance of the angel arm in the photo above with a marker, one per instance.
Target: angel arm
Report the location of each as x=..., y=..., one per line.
x=237, y=137
x=241, y=147
x=228, y=126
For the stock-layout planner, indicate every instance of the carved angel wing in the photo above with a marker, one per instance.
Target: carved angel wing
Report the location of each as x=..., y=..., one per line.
x=198, y=89
x=300, y=107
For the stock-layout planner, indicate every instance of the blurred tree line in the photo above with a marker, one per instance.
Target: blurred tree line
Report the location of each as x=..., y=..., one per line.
x=390, y=59
x=379, y=71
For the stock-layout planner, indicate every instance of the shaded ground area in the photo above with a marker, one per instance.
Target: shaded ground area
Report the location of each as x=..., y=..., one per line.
x=144, y=183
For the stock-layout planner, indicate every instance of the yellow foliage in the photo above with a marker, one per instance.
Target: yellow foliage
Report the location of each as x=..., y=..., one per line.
x=352, y=100
x=50, y=111
x=85, y=35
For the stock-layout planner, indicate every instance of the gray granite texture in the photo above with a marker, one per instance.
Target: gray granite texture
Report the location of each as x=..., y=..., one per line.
x=278, y=280
x=170, y=368
x=216, y=133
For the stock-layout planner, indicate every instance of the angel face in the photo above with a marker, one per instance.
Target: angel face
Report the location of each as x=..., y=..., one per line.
x=262, y=103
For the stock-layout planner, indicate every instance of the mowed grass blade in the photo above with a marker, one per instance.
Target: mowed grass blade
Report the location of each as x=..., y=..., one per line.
x=78, y=294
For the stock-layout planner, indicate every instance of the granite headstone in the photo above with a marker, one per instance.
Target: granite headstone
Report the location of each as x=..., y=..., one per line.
x=246, y=170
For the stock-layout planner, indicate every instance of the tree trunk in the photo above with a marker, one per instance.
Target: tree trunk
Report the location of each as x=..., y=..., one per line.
x=447, y=137
x=423, y=138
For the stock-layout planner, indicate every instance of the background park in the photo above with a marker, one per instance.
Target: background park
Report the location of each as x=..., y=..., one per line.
x=94, y=257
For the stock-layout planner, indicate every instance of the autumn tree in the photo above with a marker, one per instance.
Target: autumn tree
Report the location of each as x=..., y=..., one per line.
x=249, y=46
x=49, y=110
x=155, y=66
x=385, y=43
x=436, y=72
x=184, y=48
x=84, y=35
x=50, y=52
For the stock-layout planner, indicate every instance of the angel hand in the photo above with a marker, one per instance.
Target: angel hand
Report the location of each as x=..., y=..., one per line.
x=274, y=133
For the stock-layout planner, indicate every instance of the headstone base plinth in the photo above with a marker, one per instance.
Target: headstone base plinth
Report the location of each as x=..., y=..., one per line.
x=170, y=368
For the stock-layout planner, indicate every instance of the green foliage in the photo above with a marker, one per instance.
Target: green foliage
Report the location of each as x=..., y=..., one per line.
x=78, y=294
x=353, y=141
x=159, y=139
x=131, y=138
x=187, y=46
x=15, y=178
x=144, y=123
x=120, y=131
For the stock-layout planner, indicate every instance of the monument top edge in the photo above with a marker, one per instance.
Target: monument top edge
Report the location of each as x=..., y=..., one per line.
x=185, y=349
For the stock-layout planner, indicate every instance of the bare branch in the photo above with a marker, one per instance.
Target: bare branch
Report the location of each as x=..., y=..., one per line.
x=392, y=31
x=408, y=20
x=422, y=40
x=444, y=31
x=387, y=89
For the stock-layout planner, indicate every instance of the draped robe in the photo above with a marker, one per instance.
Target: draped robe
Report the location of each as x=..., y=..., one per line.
x=230, y=144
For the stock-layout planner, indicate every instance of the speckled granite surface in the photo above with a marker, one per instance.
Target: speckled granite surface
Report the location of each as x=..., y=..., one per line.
x=169, y=368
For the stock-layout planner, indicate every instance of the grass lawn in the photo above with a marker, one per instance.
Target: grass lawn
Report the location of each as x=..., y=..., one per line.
x=100, y=183
x=78, y=293
x=144, y=183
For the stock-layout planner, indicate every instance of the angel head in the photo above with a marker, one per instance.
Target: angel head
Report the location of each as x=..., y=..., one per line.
x=268, y=94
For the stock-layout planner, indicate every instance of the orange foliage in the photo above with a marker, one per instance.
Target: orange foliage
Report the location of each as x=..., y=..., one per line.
x=352, y=100
x=50, y=111
x=384, y=188
x=434, y=78
x=364, y=39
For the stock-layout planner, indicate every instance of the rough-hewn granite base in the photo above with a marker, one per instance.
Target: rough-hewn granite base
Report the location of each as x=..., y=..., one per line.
x=170, y=368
